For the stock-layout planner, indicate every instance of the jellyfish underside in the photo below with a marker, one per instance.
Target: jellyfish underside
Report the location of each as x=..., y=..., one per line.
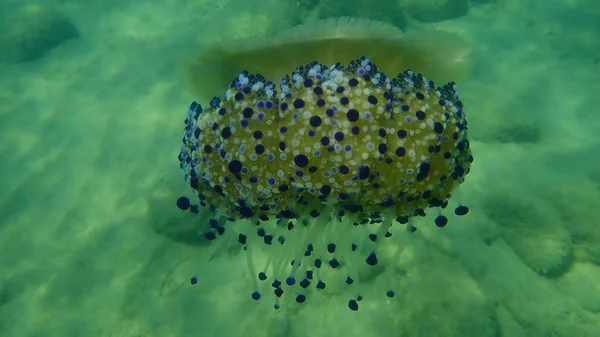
x=441, y=55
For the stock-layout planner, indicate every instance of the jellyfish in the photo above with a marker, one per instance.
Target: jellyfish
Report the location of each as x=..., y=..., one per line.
x=317, y=142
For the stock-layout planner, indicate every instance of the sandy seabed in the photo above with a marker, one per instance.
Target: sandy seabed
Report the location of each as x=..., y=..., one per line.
x=89, y=136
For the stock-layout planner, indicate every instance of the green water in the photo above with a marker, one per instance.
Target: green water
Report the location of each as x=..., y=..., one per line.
x=92, y=244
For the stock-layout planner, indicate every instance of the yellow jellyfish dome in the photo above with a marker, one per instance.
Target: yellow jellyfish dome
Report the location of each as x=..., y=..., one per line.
x=293, y=164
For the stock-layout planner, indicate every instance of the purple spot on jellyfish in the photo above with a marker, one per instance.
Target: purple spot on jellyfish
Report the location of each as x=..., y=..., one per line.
x=271, y=181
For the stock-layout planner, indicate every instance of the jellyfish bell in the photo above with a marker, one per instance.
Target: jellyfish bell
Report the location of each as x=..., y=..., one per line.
x=316, y=153
x=443, y=56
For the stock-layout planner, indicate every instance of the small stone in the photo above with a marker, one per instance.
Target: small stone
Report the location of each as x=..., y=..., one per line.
x=581, y=284
x=29, y=33
x=582, y=221
x=533, y=230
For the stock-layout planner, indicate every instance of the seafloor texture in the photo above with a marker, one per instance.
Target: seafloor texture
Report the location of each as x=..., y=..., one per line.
x=93, y=245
